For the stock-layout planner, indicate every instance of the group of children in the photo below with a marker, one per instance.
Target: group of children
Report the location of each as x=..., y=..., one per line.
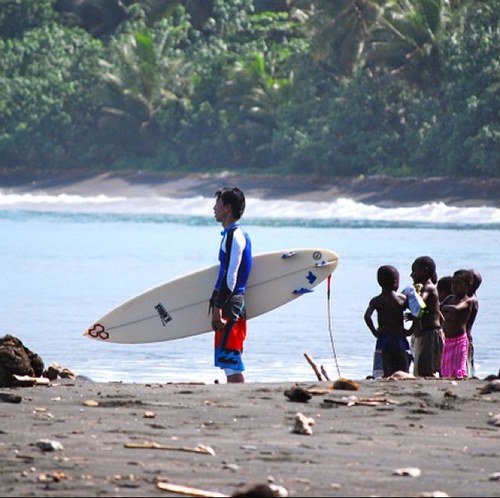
x=441, y=314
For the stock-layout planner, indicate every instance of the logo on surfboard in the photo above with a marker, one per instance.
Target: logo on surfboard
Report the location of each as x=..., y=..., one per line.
x=97, y=331
x=163, y=313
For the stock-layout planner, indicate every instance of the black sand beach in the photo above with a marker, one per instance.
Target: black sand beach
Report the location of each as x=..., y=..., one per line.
x=424, y=437
x=420, y=437
x=378, y=190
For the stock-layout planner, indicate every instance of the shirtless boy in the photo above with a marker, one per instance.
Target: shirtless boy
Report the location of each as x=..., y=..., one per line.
x=390, y=333
x=456, y=310
x=428, y=335
x=477, y=281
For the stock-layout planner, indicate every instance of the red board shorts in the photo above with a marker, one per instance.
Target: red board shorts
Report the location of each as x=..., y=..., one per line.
x=228, y=341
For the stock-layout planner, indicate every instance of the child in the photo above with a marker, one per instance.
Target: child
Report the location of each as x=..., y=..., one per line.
x=444, y=287
x=390, y=333
x=428, y=335
x=456, y=309
x=476, y=282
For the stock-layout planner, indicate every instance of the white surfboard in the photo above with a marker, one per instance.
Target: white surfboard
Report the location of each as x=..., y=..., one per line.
x=179, y=307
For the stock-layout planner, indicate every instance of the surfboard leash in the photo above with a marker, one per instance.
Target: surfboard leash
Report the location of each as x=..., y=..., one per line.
x=330, y=329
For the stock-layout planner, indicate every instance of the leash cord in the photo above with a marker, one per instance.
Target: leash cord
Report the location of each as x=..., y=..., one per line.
x=328, y=283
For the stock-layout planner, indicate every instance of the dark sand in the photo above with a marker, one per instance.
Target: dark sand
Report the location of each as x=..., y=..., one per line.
x=437, y=426
x=382, y=191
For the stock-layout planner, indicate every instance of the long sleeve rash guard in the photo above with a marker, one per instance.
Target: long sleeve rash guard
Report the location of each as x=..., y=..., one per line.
x=235, y=257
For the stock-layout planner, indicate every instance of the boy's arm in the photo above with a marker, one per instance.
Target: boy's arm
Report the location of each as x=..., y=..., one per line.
x=368, y=319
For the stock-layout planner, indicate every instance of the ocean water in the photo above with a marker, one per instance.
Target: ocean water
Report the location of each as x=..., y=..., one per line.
x=66, y=260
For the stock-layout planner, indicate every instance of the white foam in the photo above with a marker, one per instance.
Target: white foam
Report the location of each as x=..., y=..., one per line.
x=340, y=209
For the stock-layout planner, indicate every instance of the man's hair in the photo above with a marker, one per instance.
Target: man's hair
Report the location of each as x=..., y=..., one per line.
x=386, y=276
x=235, y=198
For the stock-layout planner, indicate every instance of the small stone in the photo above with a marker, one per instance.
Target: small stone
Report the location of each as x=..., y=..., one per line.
x=408, y=472
x=495, y=420
x=298, y=394
x=48, y=445
x=303, y=424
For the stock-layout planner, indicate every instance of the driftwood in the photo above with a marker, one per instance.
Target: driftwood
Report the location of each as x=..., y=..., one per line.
x=151, y=445
x=314, y=366
x=353, y=400
x=186, y=490
x=323, y=371
x=29, y=381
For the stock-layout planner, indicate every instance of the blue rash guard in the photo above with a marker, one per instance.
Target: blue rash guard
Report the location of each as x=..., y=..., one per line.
x=234, y=268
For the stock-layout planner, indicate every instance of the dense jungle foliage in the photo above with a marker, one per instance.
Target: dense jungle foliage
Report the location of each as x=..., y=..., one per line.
x=322, y=87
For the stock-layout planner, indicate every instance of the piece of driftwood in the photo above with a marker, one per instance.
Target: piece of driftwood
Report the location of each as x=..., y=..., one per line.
x=187, y=490
x=353, y=400
x=323, y=371
x=28, y=381
x=151, y=445
x=314, y=366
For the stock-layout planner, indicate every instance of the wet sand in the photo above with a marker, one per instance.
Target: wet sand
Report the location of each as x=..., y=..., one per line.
x=227, y=438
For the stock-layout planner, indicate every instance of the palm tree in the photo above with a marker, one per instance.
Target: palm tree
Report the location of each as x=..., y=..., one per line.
x=144, y=77
x=406, y=41
x=344, y=25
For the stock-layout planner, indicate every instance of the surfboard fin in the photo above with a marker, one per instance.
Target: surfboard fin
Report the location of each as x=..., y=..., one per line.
x=302, y=290
x=325, y=263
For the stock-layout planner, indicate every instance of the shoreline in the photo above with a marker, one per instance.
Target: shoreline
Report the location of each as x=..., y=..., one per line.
x=378, y=190
x=115, y=439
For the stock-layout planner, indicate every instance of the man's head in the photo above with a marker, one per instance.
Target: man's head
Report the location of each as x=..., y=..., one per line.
x=233, y=197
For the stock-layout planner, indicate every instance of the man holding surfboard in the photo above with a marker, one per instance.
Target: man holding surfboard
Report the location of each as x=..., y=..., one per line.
x=227, y=304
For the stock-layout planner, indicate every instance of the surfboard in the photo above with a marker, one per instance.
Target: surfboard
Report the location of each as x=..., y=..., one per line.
x=179, y=308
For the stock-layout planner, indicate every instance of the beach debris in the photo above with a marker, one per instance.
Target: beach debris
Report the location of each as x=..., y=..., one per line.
x=298, y=394
x=49, y=445
x=91, y=403
x=54, y=370
x=28, y=381
x=346, y=384
x=17, y=360
x=151, y=445
x=164, y=485
x=434, y=494
x=231, y=466
x=262, y=490
x=495, y=476
x=55, y=476
x=149, y=414
x=401, y=375
x=323, y=371
x=248, y=447
x=10, y=398
x=354, y=400
x=314, y=366
x=303, y=424
x=495, y=420
x=493, y=386
x=408, y=472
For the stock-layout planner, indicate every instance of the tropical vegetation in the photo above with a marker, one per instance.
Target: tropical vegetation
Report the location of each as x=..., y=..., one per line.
x=318, y=87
